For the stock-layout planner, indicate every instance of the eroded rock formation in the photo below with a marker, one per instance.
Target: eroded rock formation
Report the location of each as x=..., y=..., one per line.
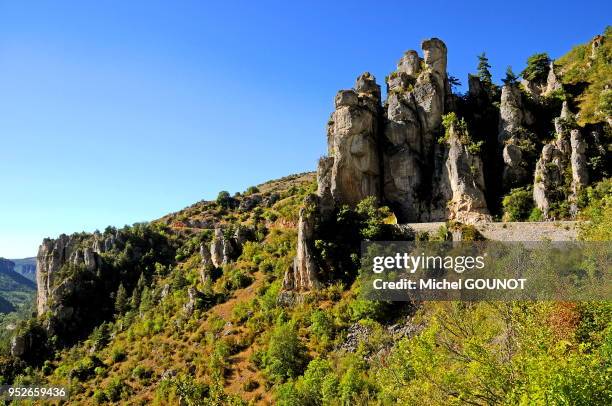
x=302, y=276
x=467, y=203
x=512, y=132
x=414, y=108
x=352, y=170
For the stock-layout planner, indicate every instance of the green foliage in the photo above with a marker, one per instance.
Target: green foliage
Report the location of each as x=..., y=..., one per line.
x=454, y=125
x=118, y=355
x=321, y=325
x=595, y=203
x=518, y=204
x=511, y=79
x=121, y=300
x=483, y=69
x=251, y=190
x=85, y=368
x=286, y=356
x=537, y=67
x=590, y=78
x=224, y=199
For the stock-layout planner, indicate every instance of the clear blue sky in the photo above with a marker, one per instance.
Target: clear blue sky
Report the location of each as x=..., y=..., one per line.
x=114, y=112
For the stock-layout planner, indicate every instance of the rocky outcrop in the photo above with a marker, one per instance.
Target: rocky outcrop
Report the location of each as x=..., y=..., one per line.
x=225, y=249
x=352, y=138
x=414, y=111
x=580, y=173
x=52, y=255
x=6, y=265
x=560, y=158
x=466, y=182
x=302, y=276
x=206, y=264
x=250, y=202
x=553, y=83
x=513, y=118
x=218, y=249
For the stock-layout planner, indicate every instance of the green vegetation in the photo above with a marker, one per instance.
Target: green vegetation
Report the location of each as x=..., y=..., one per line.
x=518, y=205
x=510, y=79
x=537, y=68
x=587, y=74
x=452, y=124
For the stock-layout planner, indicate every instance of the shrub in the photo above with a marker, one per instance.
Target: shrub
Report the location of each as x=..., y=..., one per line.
x=518, y=204
x=251, y=190
x=118, y=355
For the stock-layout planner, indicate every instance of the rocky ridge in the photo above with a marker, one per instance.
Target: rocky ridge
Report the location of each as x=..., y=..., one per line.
x=399, y=151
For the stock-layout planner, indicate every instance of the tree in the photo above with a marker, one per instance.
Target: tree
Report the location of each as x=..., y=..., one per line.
x=137, y=292
x=224, y=199
x=483, y=69
x=121, y=300
x=286, y=356
x=453, y=81
x=537, y=67
x=511, y=78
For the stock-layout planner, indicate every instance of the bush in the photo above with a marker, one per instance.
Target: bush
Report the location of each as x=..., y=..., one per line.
x=251, y=190
x=118, y=355
x=518, y=204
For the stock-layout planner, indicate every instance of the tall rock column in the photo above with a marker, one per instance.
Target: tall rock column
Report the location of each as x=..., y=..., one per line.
x=465, y=179
x=513, y=118
x=352, y=171
x=302, y=276
x=414, y=108
x=551, y=185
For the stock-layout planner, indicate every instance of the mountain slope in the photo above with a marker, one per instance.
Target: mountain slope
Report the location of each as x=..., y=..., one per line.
x=26, y=267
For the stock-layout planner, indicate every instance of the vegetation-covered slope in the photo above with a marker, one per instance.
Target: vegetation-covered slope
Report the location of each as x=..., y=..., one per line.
x=587, y=69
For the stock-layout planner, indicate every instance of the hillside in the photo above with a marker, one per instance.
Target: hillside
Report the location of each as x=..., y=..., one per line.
x=26, y=267
x=254, y=298
x=14, y=287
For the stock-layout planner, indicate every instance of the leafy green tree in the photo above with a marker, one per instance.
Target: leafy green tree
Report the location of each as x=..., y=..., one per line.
x=286, y=356
x=537, y=67
x=224, y=199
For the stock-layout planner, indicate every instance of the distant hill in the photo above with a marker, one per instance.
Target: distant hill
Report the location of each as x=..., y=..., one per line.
x=15, y=289
x=26, y=267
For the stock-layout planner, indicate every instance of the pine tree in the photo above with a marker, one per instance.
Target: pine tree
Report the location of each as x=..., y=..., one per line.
x=483, y=69
x=137, y=292
x=453, y=81
x=511, y=77
x=121, y=300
